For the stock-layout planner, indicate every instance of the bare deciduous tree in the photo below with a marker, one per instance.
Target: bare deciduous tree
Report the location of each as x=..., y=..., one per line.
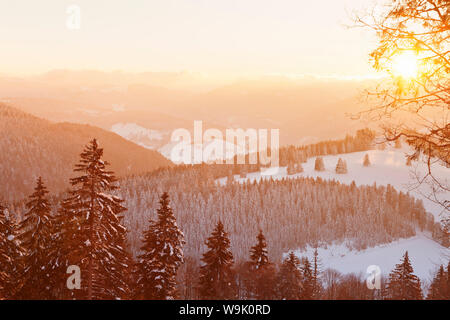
x=413, y=101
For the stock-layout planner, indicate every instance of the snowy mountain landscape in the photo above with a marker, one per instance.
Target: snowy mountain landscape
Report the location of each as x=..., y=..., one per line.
x=357, y=209
x=388, y=167
x=264, y=151
x=426, y=255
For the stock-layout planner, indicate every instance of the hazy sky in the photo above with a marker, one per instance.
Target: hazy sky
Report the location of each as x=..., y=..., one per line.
x=209, y=36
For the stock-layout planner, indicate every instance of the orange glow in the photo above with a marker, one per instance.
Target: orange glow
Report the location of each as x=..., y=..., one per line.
x=405, y=65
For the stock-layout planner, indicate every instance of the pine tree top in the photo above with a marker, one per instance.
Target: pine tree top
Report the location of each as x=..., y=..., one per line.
x=366, y=161
x=219, y=235
x=403, y=283
x=39, y=203
x=94, y=168
x=165, y=212
x=258, y=253
x=219, y=245
x=292, y=260
x=37, y=225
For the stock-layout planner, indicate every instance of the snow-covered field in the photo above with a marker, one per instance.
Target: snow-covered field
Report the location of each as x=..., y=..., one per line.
x=387, y=167
x=139, y=135
x=425, y=255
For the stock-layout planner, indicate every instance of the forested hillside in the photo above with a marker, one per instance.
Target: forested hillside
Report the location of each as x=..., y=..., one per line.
x=292, y=212
x=32, y=147
x=149, y=224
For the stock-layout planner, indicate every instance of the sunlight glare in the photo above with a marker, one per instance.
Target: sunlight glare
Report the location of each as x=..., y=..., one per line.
x=405, y=65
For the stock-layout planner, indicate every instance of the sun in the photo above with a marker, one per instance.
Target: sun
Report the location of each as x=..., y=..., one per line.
x=405, y=65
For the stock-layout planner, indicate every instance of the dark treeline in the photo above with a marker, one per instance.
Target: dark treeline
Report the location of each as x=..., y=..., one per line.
x=87, y=231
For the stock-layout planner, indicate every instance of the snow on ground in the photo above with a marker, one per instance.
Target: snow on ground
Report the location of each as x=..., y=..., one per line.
x=185, y=152
x=425, y=255
x=139, y=135
x=388, y=167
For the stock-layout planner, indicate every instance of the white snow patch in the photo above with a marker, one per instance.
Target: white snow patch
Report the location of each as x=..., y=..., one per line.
x=425, y=254
x=137, y=134
x=388, y=167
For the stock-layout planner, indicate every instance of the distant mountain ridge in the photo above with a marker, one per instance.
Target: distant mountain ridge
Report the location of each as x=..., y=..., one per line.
x=32, y=147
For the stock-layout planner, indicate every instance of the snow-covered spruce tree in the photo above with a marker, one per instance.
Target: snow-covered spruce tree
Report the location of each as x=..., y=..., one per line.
x=145, y=284
x=93, y=234
x=403, y=284
x=11, y=256
x=439, y=286
x=316, y=270
x=216, y=275
x=36, y=238
x=319, y=165
x=341, y=166
x=258, y=253
x=260, y=275
x=307, y=292
x=289, y=279
x=162, y=255
x=60, y=251
x=366, y=161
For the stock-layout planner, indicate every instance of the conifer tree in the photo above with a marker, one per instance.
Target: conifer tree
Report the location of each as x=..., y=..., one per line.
x=93, y=234
x=36, y=238
x=319, y=165
x=341, y=166
x=438, y=288
x=402, y=283
x=317, y=287
x=162, y=255
x=366, y=161
x=258, y=253
x=289, y=280
x=307, y=292
x=11, y=256
x=216, y=275
x=60, y=252
x=260, y=276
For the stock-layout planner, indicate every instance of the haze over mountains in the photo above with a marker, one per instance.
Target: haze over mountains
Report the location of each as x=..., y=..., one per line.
x=162, y=102
x=31, y=147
